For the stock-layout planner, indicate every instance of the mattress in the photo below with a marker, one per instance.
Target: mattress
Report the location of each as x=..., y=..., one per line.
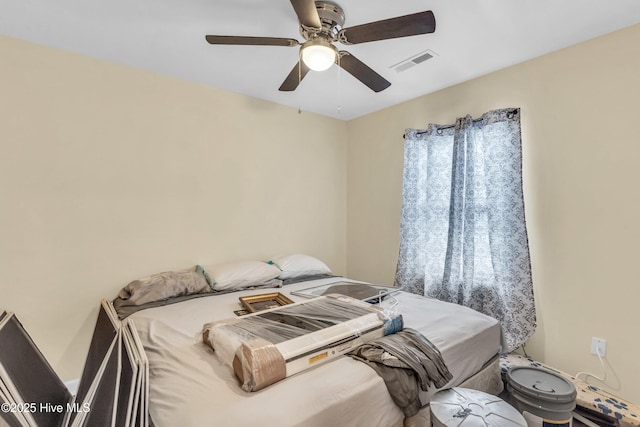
x=189, y=386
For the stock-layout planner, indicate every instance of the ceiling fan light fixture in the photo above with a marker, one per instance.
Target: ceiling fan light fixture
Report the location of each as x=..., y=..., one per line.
x=318, y=54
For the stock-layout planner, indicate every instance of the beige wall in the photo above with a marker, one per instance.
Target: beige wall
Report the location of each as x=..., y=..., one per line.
x=581, y=174
x=108, y=174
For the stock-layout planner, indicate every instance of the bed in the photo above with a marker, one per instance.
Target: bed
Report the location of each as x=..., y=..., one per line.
x=189, y=386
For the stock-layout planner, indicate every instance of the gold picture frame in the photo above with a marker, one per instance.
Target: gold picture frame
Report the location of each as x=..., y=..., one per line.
x=255, y=303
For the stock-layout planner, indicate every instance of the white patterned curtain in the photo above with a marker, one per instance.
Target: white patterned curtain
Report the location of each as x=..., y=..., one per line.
x=463, y=236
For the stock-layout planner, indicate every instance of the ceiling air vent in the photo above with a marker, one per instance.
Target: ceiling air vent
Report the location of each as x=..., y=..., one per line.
x=414, y=60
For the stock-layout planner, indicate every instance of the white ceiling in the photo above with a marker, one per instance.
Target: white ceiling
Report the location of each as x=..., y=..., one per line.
x=472, y=38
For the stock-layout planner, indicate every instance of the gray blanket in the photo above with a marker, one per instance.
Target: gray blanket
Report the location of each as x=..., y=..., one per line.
x=406, y=361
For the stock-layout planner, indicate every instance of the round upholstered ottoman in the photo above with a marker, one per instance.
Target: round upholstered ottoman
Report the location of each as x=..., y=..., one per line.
x=465, y=407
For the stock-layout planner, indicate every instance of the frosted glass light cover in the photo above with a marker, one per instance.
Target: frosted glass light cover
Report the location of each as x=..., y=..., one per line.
x=318, y=57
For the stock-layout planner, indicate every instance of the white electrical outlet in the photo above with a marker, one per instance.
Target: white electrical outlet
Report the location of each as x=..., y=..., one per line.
x=598, y=346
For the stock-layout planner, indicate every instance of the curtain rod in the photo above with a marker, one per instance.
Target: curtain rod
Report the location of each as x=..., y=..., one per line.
x=510, y=115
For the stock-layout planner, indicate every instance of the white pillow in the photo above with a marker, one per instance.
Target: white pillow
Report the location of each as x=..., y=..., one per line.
x=299, y=265
x=239, y=274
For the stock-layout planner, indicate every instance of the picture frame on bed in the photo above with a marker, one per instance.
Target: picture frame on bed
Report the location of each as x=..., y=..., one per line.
x=255, y=303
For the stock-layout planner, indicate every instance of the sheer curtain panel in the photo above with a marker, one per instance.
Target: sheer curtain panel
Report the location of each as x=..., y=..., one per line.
x=463, y=236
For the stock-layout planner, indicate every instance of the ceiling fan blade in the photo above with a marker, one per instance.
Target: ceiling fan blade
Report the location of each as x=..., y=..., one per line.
x=362, y=72
x=307, y=13
x=401, y=26
x=252, y=41
x=294, y=78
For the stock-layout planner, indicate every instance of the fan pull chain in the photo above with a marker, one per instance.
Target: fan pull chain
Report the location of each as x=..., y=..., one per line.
x=339, y=85
x=299, y=78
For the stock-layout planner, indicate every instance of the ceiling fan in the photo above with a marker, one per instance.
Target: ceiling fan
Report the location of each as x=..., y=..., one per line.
x=321, y=25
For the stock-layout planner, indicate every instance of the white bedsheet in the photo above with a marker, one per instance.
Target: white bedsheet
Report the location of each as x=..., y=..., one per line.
x=190, y=387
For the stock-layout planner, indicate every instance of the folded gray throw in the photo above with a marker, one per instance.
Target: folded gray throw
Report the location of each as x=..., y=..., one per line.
x=405, y=360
